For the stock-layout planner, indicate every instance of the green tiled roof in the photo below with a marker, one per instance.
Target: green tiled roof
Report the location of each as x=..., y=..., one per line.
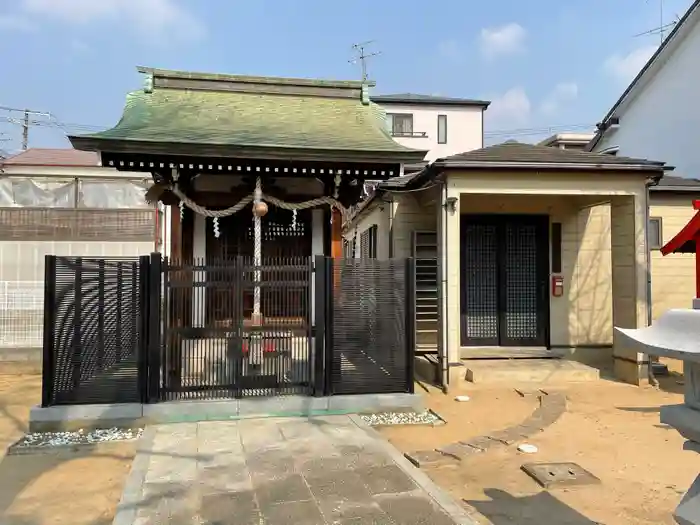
x=252, y=119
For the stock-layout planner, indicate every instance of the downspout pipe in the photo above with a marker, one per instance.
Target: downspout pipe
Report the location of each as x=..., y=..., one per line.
x=653, y=182
x=444, y=333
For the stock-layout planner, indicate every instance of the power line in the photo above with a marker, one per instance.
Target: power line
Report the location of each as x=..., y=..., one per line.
x=24, y=122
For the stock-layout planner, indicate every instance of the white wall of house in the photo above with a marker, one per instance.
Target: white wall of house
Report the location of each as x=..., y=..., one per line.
x=661, y=121
x=465, y=130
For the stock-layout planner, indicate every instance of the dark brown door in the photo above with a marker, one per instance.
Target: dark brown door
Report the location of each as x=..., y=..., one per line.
x=504, y=271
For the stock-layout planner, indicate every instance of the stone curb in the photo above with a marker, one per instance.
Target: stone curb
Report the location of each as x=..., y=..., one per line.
x=552, y=407
x=131, y=494
x=453, y=509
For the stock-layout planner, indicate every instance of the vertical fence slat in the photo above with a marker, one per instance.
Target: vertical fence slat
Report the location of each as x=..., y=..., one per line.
x=319, y=325
x=155, y=275
x=410, y=301
x=48, y=354
x=120, y=306
x=77, y=342
x=143, y=330
x=101, y=306
x=329, y=354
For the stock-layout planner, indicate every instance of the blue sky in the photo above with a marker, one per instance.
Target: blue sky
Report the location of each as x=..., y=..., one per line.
x=547, y=65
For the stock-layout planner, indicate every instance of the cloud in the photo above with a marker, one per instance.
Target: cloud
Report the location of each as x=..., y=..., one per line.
x=562, y=94
x=624, y=68
x=159, y=19
x=502, y=41
x=16, y=23
x=509, y=110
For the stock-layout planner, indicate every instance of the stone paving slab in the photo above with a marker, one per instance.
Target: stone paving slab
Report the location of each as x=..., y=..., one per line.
x=278, y=471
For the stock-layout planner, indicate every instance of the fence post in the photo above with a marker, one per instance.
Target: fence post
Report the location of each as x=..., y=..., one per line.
x=319, y=324
x=329, y=286
x=77, y=337
x=155, y=275
x=101, y=314
x=47, y=360
x=142, y=342
x=119, y=312
x=410, y=323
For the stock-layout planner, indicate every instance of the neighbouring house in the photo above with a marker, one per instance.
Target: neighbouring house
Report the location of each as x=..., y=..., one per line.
x=570, y=141
x=670, y=207
x=62, y=202
x=442, y=125
x=253, y=297
x=656, y=116
x=521, y=251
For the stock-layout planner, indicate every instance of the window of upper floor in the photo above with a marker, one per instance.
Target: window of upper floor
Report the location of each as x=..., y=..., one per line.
x=442, y=129
x=401, y=125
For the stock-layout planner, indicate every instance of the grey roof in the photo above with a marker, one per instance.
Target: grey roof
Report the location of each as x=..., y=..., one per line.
x=662, y=48
x=519, y=155
x=414, y=98
x=680, y=184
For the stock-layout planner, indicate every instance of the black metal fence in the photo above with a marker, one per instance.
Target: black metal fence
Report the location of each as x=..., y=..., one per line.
x=93, y=329
x=370, y=330
x=151, y=329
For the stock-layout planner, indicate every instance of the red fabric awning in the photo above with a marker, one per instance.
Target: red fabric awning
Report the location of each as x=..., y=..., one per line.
x=684, y=241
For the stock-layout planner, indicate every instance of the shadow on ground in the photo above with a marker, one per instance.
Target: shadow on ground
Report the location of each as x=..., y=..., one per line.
x=506, y=509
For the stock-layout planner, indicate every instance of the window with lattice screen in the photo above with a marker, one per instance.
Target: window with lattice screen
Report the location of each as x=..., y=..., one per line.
x=368, y=243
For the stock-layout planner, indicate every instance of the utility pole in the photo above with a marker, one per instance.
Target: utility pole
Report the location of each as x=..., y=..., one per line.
x=25, y=122
x=362, y=57
x=25, y=131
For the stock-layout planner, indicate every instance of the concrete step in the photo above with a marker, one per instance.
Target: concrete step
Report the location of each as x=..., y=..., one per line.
x=528, y=371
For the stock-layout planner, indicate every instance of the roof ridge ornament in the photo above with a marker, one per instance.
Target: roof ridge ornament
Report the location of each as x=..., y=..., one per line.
x=148, y=83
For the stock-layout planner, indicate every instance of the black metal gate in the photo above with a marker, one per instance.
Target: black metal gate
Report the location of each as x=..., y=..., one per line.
x=370, y=325
x=504, y=269
x=232, y=328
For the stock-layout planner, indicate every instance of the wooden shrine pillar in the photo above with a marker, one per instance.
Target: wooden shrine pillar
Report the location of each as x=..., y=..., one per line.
x=697, y=264
x=337, y=235
x=336, y=243
x=175, y=234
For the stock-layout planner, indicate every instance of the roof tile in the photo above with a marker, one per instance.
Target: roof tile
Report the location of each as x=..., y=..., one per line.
x=519, y=153
x=53, y=157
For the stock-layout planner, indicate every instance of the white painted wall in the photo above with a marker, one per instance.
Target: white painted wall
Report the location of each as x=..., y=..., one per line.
x=465, y=131
x=661, y=122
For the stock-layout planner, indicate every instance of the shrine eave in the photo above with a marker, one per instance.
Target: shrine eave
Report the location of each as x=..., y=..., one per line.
x=685, y=241
x=282, y=167
x=151, y=149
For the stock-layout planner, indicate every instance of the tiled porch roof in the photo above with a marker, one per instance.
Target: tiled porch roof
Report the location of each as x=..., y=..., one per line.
x=521, y=155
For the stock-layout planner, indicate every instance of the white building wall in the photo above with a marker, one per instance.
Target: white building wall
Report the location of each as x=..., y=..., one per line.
x=661, y=122
x=465, y=130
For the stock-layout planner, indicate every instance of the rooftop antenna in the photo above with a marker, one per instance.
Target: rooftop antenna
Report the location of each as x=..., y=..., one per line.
x=663, y=28
x=361, y=57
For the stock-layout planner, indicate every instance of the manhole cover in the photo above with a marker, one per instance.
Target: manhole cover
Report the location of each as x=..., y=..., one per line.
x=559, y=474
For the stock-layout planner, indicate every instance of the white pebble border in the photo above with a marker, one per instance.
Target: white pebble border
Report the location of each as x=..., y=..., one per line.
x=402, y=418
x=79, y=437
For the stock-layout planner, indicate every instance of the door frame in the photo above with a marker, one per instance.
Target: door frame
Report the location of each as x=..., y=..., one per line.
x=499, y=220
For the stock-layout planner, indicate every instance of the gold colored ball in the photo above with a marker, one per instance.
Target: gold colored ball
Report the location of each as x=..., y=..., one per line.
x=260, y=209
